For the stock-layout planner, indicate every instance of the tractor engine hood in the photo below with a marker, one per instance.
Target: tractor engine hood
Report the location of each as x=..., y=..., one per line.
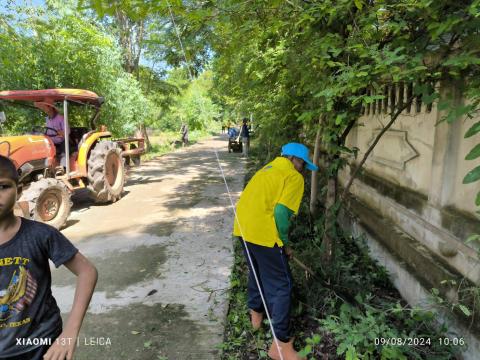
x=36, y=150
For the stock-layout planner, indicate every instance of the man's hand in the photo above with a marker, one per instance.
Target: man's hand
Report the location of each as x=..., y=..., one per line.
x=288, y=251
x=62, y=348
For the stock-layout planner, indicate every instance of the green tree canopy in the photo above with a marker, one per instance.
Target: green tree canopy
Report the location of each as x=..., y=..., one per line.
x=47, y=49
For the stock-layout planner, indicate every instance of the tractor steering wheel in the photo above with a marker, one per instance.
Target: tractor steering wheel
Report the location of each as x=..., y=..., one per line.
x=45, y=130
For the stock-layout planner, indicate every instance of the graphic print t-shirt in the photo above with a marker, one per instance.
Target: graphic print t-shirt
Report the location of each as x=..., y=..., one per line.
x=27, y=307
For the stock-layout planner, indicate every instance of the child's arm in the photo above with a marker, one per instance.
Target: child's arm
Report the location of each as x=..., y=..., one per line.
x=86, y=274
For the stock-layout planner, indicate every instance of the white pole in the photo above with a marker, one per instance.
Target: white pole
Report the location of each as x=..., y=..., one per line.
x=66, y=136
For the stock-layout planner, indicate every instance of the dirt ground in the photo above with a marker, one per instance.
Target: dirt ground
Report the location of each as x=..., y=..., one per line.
x=164, y=256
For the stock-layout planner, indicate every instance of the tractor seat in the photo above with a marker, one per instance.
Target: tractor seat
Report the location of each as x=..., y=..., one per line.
x=76, y=134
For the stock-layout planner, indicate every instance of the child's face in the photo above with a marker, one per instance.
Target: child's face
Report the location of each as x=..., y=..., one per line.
x=8, y=196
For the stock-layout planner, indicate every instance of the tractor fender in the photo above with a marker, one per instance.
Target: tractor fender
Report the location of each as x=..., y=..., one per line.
x=86, y=146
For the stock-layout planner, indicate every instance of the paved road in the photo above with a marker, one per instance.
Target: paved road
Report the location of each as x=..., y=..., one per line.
x=164, y=254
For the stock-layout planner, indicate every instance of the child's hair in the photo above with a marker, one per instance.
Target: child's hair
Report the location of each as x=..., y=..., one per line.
x=7, y=169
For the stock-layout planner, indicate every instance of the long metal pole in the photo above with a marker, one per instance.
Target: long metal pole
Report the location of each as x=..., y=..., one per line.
x=66, y=130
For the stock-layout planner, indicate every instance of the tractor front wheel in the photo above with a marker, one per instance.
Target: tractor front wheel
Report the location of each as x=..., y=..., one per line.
x=106, y=174
x=48, y=202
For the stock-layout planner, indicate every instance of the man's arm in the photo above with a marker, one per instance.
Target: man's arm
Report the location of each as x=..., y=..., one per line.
x=282, y=215
x=61, y=127
x=290, y=199
x=87, y=275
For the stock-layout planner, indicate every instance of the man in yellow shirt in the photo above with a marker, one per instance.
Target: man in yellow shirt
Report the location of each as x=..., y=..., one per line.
x=263, y=215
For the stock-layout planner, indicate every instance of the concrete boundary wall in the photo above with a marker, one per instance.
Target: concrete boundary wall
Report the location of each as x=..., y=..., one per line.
x=426, y=228
x=410, y=288
x=410, y=201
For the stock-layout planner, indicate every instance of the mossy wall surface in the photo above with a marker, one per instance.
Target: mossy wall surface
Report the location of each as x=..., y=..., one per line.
x=430, y=270
x=410, y=199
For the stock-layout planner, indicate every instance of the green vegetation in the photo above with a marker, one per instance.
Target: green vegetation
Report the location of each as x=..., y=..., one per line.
x=49, y=48
x=192, y=105
x=307, y=71
x=61, y=45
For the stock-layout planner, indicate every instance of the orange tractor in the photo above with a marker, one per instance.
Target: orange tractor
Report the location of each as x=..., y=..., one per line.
x=95, y=159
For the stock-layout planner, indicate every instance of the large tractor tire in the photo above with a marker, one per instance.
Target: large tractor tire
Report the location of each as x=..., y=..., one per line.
x=48, y=202
x=106, y=172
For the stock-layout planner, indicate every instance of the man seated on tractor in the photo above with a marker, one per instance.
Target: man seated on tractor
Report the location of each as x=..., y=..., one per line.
x=55, y=129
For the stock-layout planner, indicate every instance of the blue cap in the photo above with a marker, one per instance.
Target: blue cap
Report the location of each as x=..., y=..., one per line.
x=299, y=151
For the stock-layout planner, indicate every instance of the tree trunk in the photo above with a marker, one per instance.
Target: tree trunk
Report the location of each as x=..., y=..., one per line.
x=139, y=43
x=330, y=218
x=314, y=185
x=123, y=31
x=131, y=35
x=143, y=130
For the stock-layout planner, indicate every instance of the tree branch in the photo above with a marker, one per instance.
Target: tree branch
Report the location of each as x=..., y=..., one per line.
x=347, y=130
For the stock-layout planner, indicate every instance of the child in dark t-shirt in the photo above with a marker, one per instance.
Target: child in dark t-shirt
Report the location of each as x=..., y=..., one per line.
x=30, y=322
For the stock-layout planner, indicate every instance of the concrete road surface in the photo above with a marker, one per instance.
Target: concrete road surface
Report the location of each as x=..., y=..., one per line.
x=164, y=254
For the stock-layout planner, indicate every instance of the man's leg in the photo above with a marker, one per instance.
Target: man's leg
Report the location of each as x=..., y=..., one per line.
x=277, y=283
x=254, y=299
x=61, y=156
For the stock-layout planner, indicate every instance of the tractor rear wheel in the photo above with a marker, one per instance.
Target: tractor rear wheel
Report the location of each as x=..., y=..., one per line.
x=48, y=202
x=106, y=174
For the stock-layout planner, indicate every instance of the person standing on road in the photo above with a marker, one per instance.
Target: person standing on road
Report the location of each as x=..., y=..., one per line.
x=184, y=132
x=30, y=321
x=245, y=135
x=263, y=215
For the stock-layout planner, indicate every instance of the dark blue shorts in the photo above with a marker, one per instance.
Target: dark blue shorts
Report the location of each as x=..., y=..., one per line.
x=273, y=271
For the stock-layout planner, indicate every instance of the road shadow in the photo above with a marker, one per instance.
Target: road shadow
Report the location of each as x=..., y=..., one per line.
x=70, y=223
